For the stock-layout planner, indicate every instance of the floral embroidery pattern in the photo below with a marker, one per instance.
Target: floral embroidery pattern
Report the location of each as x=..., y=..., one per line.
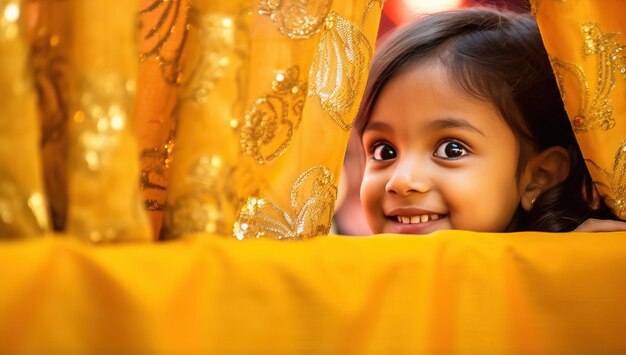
x=268, y=126
x=310, y=214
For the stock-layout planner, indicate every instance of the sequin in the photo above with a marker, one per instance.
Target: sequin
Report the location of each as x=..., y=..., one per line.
x=310, y=212
x=268, y=126
x=339, y=69
x=296, y=19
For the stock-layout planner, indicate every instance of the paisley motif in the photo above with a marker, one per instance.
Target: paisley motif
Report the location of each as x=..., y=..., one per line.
x=296, y=19
x=268, y=126
x=312, y=200
x=339, y=69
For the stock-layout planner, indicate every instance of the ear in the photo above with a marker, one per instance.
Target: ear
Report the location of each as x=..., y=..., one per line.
x=542, y=172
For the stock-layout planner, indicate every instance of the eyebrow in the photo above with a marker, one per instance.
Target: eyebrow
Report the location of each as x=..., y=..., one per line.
x=437, y=124
x=454, y=123
x=378, y=126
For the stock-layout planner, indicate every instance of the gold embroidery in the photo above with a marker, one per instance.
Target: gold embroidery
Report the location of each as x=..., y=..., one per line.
x=617, y=184
x=368, y=9
x=217, y=34
x=163, y=29
x=339, y=69
x=209, y=196
x=268, y=125
x=594, y=112
x=312, y=200
x=296, y=19
x=155, y=162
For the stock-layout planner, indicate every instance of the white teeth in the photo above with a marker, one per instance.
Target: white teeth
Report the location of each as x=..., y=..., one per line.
x=417, y=219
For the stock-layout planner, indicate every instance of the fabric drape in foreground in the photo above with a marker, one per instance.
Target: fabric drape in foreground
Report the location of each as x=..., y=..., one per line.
x=452, y=292
x=586, y=41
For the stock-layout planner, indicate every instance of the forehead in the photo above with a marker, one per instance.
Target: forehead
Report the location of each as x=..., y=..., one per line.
x=426, y=92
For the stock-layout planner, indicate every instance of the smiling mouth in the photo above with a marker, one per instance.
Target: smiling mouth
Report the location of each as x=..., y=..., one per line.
x=424, y=218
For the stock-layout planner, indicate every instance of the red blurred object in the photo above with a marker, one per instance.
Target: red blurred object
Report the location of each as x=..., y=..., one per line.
x=397, y=12
x=401, y=11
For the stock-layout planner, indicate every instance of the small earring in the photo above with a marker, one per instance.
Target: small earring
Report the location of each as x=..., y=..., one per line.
x=532, y=202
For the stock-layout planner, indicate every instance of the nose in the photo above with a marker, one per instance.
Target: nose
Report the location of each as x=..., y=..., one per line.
x=409, y=177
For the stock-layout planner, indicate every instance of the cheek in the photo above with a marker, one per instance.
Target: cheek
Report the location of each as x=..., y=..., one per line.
x=370, y=187
x=372, y=191
x=482, y=199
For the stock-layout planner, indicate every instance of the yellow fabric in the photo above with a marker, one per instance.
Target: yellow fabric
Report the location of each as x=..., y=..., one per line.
x=103, y=189
x=49, y=30
x=586, y=41
x=267, y=95
x=162, y=37
x=23, y=206
x=453, y=292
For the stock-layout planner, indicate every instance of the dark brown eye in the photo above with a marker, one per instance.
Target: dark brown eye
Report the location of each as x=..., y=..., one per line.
x=384, y=151
x=450, y=150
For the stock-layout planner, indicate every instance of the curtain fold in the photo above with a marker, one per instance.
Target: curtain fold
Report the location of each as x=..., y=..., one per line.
x=23, y=203
x=586, y=41
x=267, y=95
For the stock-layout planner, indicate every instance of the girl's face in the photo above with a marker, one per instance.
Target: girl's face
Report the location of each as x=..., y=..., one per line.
x=437, y=158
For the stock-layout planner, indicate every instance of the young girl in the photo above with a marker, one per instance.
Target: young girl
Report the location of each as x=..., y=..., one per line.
x=463, y=127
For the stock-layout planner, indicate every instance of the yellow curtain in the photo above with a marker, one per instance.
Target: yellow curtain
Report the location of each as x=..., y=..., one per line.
x=586, y=41
x=23, y=205
x=267, y=92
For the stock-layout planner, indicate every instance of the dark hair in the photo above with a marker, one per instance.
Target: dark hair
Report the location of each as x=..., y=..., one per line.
x=497, y=56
